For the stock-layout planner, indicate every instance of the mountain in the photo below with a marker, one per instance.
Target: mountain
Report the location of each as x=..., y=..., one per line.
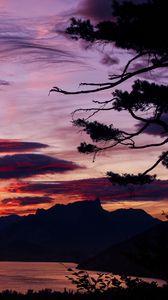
x=5, y=222
x=72, y=232
x=144, y=255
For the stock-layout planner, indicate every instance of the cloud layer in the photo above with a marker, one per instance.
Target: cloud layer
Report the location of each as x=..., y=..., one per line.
x=9, y=146
x=24, y=201
x=97, y=187
x=27, y=165
x=97, y=9
x=154, y=129
x=33, y=40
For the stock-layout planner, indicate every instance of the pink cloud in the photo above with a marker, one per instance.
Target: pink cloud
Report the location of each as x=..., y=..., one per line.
x=96, y=187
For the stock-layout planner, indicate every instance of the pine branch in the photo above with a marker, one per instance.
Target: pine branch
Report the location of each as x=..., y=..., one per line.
x=156, y=163
x=113, y=84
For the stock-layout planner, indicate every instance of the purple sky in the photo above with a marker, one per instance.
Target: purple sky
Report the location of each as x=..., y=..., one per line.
x=37, y=138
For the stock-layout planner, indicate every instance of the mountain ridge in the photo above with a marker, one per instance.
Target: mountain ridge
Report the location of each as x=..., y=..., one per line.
x=71, y=232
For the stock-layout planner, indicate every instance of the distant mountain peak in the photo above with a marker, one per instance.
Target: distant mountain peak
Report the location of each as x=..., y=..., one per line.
x=91, y=207
x=87, y=203
x=78, y=205
x=71, y=232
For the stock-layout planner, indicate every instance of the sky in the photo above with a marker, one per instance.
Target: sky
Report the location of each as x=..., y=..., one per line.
x=39, y=162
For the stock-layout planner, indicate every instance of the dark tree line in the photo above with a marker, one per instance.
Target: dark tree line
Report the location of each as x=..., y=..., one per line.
x=139, y=29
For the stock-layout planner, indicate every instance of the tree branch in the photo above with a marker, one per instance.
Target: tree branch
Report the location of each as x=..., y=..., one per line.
x=111, y=85
x=150, y=145
x=156, y=121
x=94, y=84
x=131, y=60
x=137, y=117
x=156, y=163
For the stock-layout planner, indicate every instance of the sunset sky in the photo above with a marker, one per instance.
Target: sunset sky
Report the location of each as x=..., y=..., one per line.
x=39, y=163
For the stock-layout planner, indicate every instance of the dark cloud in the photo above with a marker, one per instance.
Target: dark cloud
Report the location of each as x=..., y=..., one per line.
x=154, y=129
x=26, y=165
x=98, y=187
x=4, y=82
x=27, y=50
x=109, y=60
x=17, y=146
x=98, y=10
x=95, y=9
x=23, y=201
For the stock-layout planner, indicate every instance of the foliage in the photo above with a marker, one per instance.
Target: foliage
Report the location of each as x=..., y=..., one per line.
x=90, y=284
x=104, y=282
x=136, y=289
x=131, y=28
x=130, y=178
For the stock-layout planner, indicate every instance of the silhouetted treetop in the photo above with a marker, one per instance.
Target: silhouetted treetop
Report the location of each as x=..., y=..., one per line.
x=126, y=179
x=139, y=29
x=98, y=131
x=144, y=95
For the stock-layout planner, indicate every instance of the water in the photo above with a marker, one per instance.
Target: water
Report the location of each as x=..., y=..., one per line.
x=21, y=276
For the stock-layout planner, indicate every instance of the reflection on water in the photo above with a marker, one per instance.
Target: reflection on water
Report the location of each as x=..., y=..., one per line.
x=21, y=276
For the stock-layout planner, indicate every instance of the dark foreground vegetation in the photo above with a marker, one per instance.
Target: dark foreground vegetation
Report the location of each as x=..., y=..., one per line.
x=136, y=292
x=100, y=288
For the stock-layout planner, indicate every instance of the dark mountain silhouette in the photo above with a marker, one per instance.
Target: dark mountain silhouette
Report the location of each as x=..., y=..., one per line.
x=5, y=222
x=72, y=232
x=144, y=255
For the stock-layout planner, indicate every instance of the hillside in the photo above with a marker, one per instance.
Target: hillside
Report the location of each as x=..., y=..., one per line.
x=72, y=232
x=144, y=255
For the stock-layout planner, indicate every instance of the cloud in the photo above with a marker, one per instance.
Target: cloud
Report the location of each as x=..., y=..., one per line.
x=33, y=40
x=109, y=60
x=97, y=187
x=154, y=129
x=98, y=10
x=6, y=211
x=29, y=51
x=24, y=201
x=26, y=165
x=95, y=9
x=4, y=82
x=8, y=146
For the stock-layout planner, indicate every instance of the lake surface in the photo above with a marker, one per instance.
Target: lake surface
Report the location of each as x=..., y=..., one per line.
x=21, y=276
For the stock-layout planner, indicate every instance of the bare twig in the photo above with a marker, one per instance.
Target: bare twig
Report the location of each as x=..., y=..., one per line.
x=150, y=145
x=156, y=163
x=112, y=84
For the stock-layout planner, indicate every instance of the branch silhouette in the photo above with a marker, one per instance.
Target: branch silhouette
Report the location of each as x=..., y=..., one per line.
x=131, y=29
